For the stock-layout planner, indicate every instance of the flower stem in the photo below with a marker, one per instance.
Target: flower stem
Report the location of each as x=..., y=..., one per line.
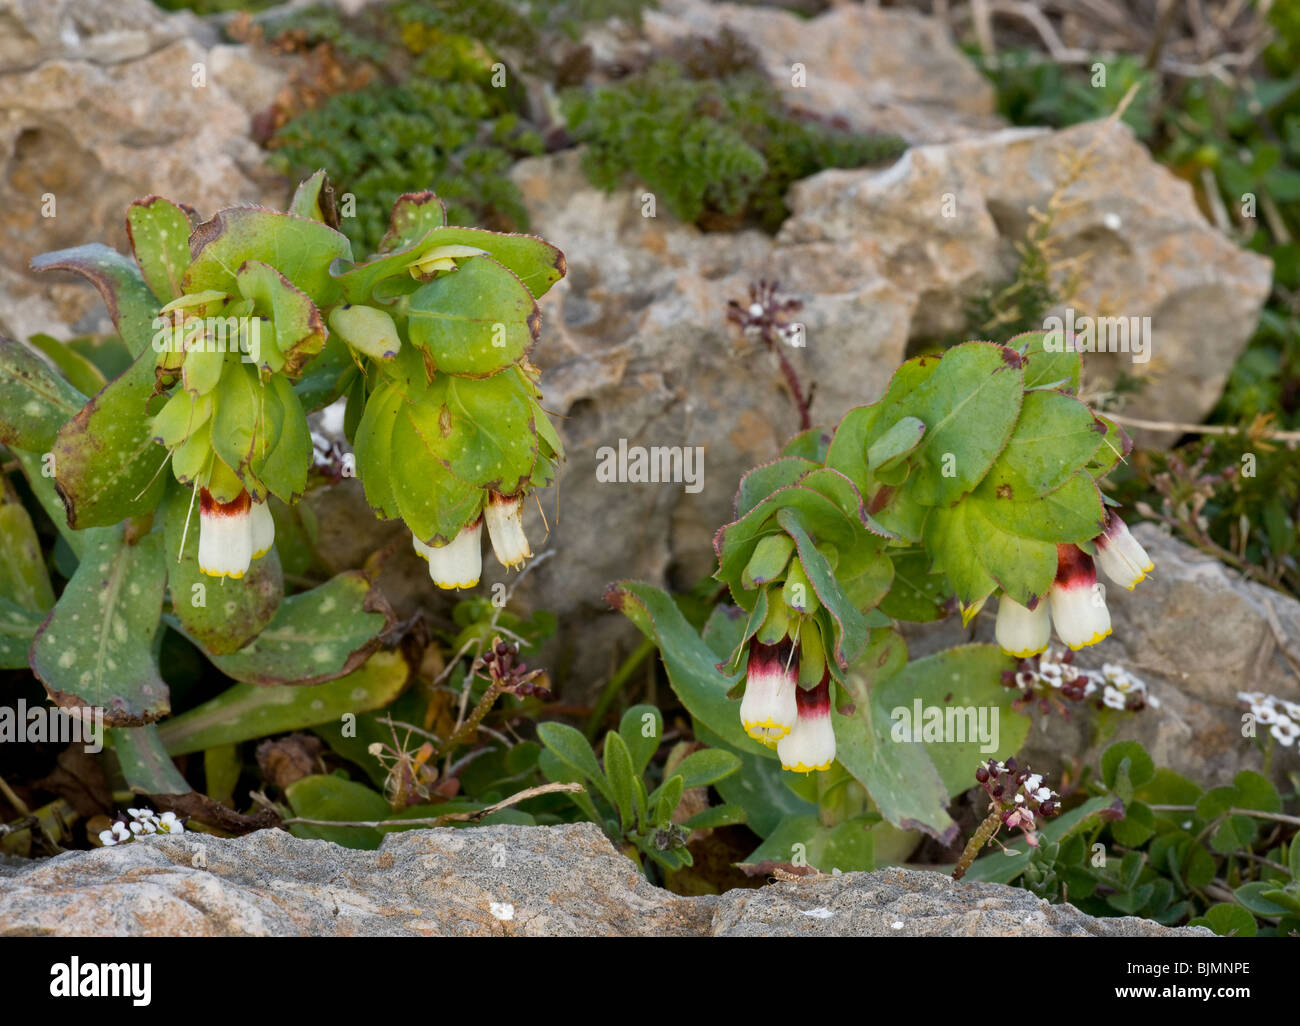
x=980, y=838
x=466, y=731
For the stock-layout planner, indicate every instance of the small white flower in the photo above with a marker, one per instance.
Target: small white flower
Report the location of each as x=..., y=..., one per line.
x=1033, y=782
x=107, y=838
x=1114, y=699
x=1285, y=730
x=1043, y=794
x=1264, y=712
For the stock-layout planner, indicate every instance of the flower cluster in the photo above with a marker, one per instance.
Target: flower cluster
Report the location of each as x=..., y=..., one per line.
x=1045, y=679
x=513, y=676
x=1076, y=603
x=139, y=823
x=766, y=315
x=1280, y=716
x=1019, y=797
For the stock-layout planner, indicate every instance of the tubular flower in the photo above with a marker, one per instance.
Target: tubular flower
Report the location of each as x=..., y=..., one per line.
x=1021, y=631
x=769, y=709
x=1120, y=555
x=459, y=563
x=505, y=524
x=810, y=745
x=225, y=535
x=1078, y=608
x=262, y=528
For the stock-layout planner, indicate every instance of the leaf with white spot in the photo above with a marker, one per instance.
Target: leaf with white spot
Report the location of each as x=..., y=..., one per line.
x=317, y=636
x=244, y=711
x=95, y=649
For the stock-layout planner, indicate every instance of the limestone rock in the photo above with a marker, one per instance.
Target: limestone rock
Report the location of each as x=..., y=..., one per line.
x=500, y=880
x=98, y=107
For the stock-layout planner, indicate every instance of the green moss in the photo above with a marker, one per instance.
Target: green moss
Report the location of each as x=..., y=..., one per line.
x=719, y=150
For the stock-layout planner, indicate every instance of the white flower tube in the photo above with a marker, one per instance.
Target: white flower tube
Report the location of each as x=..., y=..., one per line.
x=459, y=563
x=262, y=529
x=810, y=745
x=1021, y=631
x=769, y=709
x=225, y=535
x=1078, y=608
x=505, y=524
x=1121, y=556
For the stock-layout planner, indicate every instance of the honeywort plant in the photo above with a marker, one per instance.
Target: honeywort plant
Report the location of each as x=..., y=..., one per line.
x=975, y=476
x=238, y=327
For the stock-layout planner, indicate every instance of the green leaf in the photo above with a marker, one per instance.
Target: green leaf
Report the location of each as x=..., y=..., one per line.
x=1125, y=766
x=804, y=841
x=315, y=636
x=851, y=635
x=1115, y=446
x=1252, y=895
x=716, y=816
x=131, y=305
x=1235, y=833
x=759, y=786
x=284, y=466
x=106, y=464
x=690, y=663
x=334, y=798
x=916, y=594
x=1055, y=437
x=1228, y=921
x=160, y=239
x=895, y=444
x=707, y=766
x=568, y=745
x=80, y=372
x=298, y=329
x=969, y=405
x=18, y=626
x=475, y=321
x=901, y=779
x=434, y=502
x=95, y=648
x=23, y=577
x=314, y=198
x=243, y=711
x=766, y=478
x=960, y=693
x=666, y=798
x=633, y=727
x=1254, y=791
x=299, y=248
x=34, y=400
x=534, y=261
x=1057, y=369
x=1137, y=826
x=222, y=614
x=622, y=780
x=414, y=215
x=144, y=762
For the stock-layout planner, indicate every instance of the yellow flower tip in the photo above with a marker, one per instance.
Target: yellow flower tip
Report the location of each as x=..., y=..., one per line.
x=760, y=731
x=1100, y=636
x=261, y=552
x=1026, y=653
x=800, y=767
x=458, y=586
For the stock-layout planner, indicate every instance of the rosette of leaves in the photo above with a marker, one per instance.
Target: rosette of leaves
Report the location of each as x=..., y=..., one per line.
x=960, y=480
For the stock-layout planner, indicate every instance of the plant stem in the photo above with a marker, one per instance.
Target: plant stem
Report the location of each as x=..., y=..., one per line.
x=980, y=838
x=466, y=731
x=1278, y=817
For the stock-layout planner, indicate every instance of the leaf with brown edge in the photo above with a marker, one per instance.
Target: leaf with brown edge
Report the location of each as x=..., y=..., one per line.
x=130, y=303
x=34, y=401
x=160, y=239
x=106, y=463
x=315, y=636
x=299, y=329
x=95, y=649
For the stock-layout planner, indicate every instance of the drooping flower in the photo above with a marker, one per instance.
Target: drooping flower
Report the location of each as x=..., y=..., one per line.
x=810, y=745
x=505, y=523
x=459, y=563
x=262, y=528
x=225, y=535
x=1120, y=555
x=1021, y=631
x=1078, y=607
x=769, y=709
